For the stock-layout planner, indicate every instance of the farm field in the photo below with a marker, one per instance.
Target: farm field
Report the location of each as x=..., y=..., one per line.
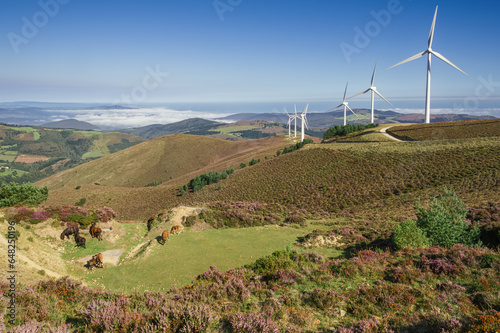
x=36, y=150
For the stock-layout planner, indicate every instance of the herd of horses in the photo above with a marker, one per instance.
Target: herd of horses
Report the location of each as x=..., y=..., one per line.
x=97, y=260
x=173, y=230
x=94, y=232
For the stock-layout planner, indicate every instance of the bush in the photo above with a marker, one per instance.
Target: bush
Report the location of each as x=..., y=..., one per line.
x=81, y=202
x=27, y=194
x=155, y=183
x=444, y=222
x=408, y=235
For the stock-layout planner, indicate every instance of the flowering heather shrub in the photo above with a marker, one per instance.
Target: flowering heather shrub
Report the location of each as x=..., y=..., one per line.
x=484, y=322
x=286, y=276
x=64, y=288
x=321, y=298
x=105, y=214
x=252, y=323
x=36, y=327
x=364, y=326
x=32, y=305
x=116, y=316
x=188, y=318
x=404, y=272
x=231, y=284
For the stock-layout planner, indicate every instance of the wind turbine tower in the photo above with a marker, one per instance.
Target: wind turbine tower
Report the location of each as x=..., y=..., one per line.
x=429, y=52
x=304, y=121
x=374, y=91
x=290, y=117
x=346, y=106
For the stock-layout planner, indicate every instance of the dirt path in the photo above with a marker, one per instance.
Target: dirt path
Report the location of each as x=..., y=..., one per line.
x=30, y=263
x=181, y=212
x=383, y=131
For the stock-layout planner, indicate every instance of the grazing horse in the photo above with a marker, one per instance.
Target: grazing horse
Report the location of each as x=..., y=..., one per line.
x=164, y=236
x=95, y=232
x=175, y=229
x=91, y=263
x=80, y=241
x=69, y=231
x=96, y=261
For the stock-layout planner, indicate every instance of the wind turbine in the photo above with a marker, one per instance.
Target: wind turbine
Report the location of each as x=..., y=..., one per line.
x=346, y=106
x=295, y=117
x=374, y=91
x=429, y=52
x=304, y=121
x=290, y=117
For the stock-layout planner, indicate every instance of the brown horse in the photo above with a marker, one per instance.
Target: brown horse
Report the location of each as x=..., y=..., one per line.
x=96, y=261
x=164, y=236
x=95, y=232
x=69, y=231
x=80, y=241
x=175, y=229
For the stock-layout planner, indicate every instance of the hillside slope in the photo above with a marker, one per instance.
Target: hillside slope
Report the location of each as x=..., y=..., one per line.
x=323, y=179
x=169, y=158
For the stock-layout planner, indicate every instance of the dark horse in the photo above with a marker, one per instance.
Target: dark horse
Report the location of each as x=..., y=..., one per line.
x=69, y=231
x=95, y=232
x=80, y=241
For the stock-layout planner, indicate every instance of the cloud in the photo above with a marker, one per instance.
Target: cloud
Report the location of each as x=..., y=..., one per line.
x=125, y=118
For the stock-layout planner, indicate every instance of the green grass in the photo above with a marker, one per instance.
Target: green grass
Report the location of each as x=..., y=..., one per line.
x=9, y=172
x=191, y=253
x=230, y=129
x=8, y=158
x=91, y=154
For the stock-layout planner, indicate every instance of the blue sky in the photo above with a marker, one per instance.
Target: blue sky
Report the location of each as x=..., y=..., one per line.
x=244, y=50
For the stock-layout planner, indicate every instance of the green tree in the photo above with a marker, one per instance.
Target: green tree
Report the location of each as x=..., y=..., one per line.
x=444, y=221
x=27, y=193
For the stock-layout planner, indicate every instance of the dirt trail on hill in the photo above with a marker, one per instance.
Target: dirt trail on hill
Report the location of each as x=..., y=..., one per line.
x=30, y=263
x=181, y=212
x=383, y=131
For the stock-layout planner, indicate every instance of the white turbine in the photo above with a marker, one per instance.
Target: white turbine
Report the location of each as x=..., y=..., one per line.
x=290, y=117
x=429, y=52
x=374, y=91
x=346, y=106
x=304, y=121
x=295, y=117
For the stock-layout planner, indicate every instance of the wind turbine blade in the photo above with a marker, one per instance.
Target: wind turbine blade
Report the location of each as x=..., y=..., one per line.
x=286, y=112
x=305, y=109
x=365, y=91
x=375, y=90
x=335, y=107
x=305, y=123
x=295, y=107
x=416, y=56
x=431, y=33
x=373, y=75
x=345, y=91
x=440, y=56
x=352, y=111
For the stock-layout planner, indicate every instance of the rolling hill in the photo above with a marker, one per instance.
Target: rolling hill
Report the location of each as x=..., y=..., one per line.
x=71, y=124
x=322, y=178
x=172, y=158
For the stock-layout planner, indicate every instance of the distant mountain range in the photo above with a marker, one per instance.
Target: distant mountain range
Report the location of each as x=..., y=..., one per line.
x=71, y=124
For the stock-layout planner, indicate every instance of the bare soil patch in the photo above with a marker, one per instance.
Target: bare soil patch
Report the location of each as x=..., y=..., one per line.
x=29, y=159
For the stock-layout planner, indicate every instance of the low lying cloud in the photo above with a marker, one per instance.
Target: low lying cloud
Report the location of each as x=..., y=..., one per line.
x=129, y=118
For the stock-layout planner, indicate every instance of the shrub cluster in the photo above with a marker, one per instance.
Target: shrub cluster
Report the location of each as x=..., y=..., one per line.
x=442, y=224
x=26, y=194
x=343, y=130
x=76, y=214
x=200, y=181
x=294, y=147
